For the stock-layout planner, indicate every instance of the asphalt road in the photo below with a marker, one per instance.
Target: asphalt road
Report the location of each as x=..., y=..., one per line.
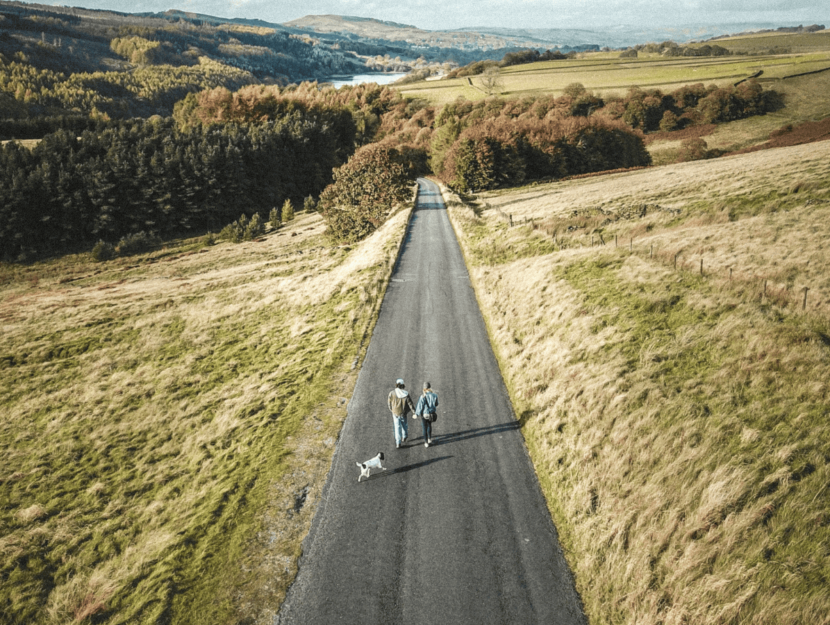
x=455, y=533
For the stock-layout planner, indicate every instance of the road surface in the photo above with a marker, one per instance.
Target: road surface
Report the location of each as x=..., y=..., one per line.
x=455, y=533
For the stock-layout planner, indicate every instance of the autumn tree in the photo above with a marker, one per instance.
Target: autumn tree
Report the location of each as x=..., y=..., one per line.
x=364, y=192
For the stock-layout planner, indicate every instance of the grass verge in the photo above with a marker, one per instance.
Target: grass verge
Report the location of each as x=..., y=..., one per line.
x=677, y=420
x=168, y=420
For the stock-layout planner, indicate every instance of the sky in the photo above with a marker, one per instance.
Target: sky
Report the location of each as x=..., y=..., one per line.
x=440, y=14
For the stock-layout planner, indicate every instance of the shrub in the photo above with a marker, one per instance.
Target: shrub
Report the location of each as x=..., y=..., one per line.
x=255, y=228
x=309, y=205
x=103, y=251
x=235, y=232
x=136, y=243
x=693, y=150
x=669, y=122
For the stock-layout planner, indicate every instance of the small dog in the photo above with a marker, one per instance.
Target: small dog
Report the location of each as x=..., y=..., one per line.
x=366, y=467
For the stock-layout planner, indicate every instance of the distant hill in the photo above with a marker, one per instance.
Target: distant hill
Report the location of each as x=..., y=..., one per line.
x=463, y=39
x=623, y=36
x=491, y=37
x=373, y=29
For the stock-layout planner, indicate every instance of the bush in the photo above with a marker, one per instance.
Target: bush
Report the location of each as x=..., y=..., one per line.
x=669, y=122
x=693, y=150
x=254, y=229
x=103, y=251
x=136, y=243
x=235, y=232
x=309, y=205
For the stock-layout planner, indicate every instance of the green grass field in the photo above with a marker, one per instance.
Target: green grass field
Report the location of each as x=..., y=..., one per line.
x=607, y=74
x=168, y=420
x=671, y=388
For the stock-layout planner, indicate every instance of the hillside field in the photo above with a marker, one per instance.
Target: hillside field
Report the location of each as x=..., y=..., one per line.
x=169, y=418
x=671, y=379
x=607, y=75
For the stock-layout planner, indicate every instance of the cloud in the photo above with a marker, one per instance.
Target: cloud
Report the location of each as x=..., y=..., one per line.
x=440, y=14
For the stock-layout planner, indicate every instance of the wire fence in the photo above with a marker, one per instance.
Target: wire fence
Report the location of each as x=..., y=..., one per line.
x=758, y=287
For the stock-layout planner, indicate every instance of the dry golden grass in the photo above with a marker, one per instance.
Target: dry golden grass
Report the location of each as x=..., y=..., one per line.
x=168, y=421
x=677, y=422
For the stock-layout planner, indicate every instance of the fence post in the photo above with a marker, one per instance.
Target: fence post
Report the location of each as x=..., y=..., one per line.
x=615, y=241
x=730, y=273
x=510, y=219
x=675, y=259
x=592, y=240
x=804, y=305
x=701, y=265
x=651, y=253
x=631, y=244
x=765, y=288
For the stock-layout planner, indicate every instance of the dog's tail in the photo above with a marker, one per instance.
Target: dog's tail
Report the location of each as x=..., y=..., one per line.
x=361, y=465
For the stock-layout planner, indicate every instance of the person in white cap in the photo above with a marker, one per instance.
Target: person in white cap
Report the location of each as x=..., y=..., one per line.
x=400, y=403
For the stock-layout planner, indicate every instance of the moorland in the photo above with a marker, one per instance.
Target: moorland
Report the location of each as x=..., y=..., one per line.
x=171, y=405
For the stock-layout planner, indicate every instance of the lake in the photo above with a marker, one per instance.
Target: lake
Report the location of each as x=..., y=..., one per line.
x=359, y=79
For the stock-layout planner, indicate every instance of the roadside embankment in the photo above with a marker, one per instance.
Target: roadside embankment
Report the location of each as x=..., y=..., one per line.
x=169, y=418
x=670, y=373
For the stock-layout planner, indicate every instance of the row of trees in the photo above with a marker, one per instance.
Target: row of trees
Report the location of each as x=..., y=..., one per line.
x=226, y=153
x=504, y=152
x=150, y=176
x=143, y=92
x=644, y=109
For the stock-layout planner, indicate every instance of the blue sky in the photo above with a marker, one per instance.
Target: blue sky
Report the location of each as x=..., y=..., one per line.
x=440, y=14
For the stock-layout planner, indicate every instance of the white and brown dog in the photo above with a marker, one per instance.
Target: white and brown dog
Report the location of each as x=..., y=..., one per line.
x=373, y=463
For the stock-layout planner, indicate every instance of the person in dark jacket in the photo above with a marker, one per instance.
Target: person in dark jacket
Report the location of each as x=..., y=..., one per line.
x=400, y=403
x=427, y=409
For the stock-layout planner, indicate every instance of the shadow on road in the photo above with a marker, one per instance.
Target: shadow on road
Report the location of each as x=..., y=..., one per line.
x=411, y=467
x=455, y=437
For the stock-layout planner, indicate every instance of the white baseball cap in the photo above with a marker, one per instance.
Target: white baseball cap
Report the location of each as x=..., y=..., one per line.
x=399, y=381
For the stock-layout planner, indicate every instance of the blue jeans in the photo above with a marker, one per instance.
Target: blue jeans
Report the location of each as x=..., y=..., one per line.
x=426, y=425
x=401, y=430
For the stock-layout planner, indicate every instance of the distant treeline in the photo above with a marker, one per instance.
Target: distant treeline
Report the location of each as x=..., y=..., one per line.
x=37, y=127
x=496, y=142
x=500, y=143
x=514, y=57
x=224, y=153
x=149, y=176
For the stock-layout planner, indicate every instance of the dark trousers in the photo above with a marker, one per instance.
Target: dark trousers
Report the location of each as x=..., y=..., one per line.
x=426, y=425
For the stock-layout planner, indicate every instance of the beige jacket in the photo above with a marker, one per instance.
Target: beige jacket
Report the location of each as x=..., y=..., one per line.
x=400, y=403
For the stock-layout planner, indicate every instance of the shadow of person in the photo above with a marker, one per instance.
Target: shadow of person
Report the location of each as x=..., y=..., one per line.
x=416, y=465
x=455, y=437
